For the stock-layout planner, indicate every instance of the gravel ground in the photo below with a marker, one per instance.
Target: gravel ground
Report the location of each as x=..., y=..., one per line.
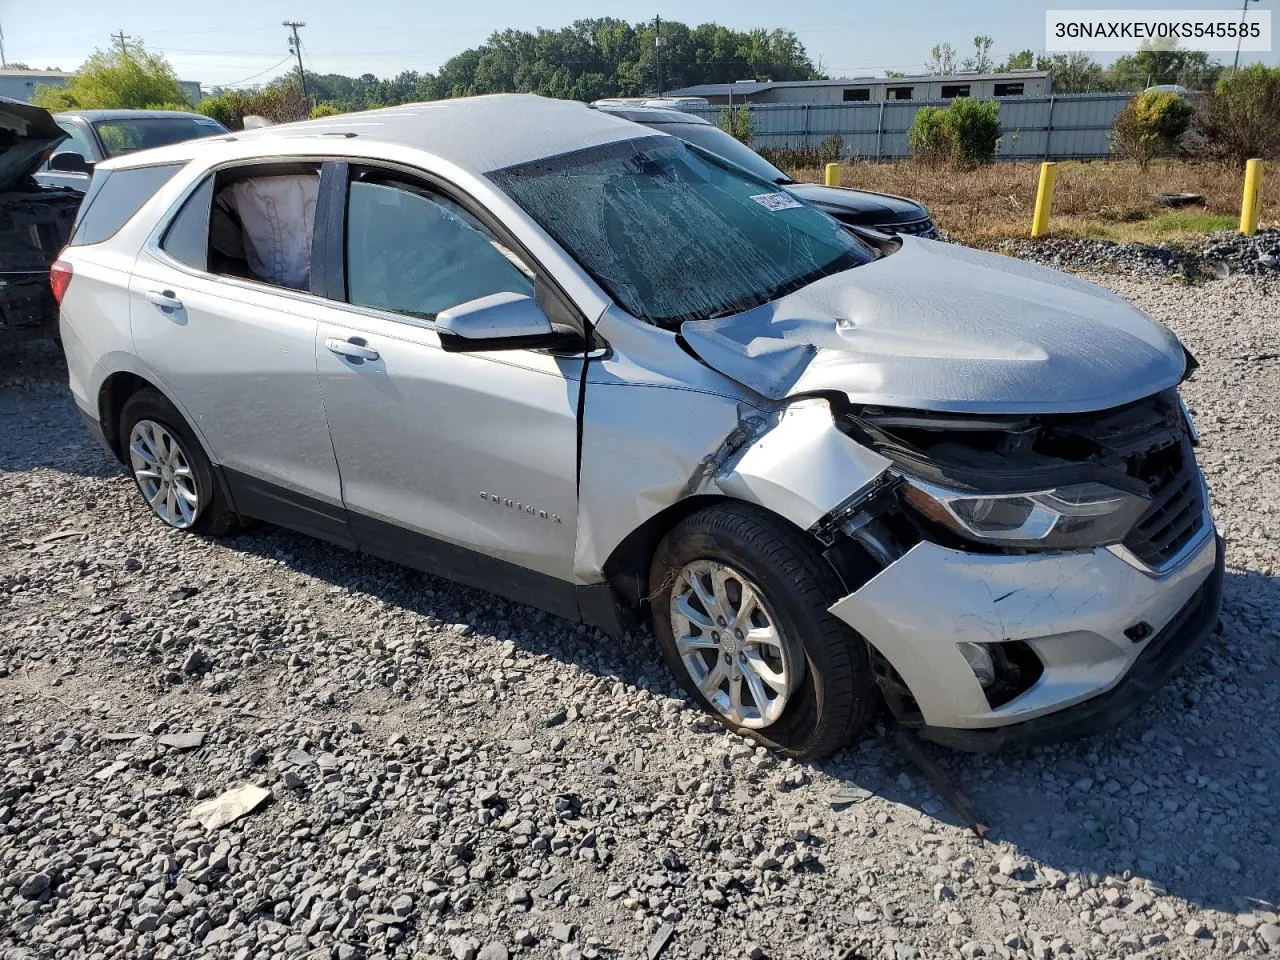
x=1218, y=255
x=449, y=775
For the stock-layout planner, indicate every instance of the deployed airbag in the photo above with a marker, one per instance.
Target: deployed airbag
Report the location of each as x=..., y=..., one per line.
x=277, y=215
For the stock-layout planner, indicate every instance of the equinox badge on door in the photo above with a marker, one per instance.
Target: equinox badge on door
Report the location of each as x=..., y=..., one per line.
x=520, y=507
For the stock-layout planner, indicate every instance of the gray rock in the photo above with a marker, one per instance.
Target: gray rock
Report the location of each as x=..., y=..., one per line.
x=34, y=886
x=183, y=741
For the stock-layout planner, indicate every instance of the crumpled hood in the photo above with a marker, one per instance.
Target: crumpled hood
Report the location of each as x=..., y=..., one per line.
x=859, y=206
x=34, y=136
x=942, y=327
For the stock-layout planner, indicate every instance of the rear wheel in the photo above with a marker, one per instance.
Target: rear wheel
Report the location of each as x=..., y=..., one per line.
x=740, y=613
x=170, y=468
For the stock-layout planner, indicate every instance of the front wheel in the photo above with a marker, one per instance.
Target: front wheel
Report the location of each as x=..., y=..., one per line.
x=739, y=610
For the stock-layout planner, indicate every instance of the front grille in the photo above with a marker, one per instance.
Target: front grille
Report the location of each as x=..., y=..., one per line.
x=919, y=228
x=1173, y=520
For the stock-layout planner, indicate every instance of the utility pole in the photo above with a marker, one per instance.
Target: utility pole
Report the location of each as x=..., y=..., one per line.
x=295, y=47
x=657, y=49
x=4, y=64
x=122, y=40
x=1244, y=12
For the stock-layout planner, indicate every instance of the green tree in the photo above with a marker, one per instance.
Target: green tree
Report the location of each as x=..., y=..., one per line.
x=981, y=59
x=1150, y=124
x=1022, y=60
x=125, y=76
x=942, y=60
x=1164, y=62
x=610, y=57
x=1075, y=72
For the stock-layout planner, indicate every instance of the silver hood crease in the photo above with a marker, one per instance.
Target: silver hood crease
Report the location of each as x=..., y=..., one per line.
x=941, y=327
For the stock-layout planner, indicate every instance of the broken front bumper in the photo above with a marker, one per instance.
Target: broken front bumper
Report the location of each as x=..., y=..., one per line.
x=1071, y=609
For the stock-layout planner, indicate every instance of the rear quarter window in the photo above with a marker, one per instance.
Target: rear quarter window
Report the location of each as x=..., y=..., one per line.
x=114, y=196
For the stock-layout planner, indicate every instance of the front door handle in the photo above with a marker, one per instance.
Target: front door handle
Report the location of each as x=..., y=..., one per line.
x=165, y=299
x=352, y=349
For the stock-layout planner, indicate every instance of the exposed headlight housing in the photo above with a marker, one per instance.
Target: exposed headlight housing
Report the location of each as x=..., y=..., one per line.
x=1074, y=516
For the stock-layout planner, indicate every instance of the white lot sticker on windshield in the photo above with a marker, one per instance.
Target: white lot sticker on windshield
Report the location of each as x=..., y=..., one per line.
x=777, y=201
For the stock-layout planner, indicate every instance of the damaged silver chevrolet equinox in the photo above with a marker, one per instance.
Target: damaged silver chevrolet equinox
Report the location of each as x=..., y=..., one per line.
x=538, y=349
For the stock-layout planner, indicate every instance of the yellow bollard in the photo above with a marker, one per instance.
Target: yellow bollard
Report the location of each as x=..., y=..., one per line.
x=1044, y=199
x=1252, y=197
x=831, y=176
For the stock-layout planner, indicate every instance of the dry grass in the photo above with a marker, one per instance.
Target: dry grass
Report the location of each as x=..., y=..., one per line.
x=1100, y=199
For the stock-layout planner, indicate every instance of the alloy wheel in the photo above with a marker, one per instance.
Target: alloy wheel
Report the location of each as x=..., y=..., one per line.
x=731, y=646
x=164, y=473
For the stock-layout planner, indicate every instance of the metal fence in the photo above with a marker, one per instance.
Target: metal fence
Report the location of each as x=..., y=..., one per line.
x=1033, y=128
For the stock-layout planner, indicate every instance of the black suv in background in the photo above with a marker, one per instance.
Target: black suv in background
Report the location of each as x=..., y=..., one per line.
x=862, y=208
x=35, y=221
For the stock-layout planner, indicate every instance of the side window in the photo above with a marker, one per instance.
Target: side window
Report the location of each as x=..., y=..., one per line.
x=187, y=239
x=114, y=197
x=75, y=142
x=414, y=252
x=260, y=223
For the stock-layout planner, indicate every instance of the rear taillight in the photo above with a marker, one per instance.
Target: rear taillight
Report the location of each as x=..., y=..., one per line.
x=59, y=278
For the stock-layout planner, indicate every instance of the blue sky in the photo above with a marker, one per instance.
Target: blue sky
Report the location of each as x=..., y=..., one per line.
x=234, y=41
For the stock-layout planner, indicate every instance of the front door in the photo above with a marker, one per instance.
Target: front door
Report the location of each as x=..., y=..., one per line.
x=463, y=464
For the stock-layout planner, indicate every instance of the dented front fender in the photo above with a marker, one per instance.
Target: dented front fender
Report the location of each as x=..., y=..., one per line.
x=800, y=466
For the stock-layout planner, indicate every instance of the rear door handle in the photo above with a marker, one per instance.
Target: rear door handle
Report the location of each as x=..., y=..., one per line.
x=165, y=299
x=352, y=349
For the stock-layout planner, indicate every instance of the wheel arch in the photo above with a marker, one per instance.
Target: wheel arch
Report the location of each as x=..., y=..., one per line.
x=627, y=567
x=115, y=390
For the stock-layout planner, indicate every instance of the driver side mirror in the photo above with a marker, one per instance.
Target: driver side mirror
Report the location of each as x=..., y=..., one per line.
x=69, y=162
x=500, y=321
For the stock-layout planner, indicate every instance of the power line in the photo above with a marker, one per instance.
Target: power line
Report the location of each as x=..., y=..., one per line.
x=256, y=75
x=295, y=46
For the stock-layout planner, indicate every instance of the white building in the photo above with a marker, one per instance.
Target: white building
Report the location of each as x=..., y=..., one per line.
x=981, y=86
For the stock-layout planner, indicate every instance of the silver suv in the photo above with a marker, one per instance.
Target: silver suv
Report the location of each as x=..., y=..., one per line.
x=538, y=349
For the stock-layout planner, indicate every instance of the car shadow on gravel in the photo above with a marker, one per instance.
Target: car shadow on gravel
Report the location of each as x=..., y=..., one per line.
x=39, y=425
x=1182, y=794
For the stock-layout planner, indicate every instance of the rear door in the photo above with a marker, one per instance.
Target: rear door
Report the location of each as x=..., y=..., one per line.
x=239, y=356
x=461, y=463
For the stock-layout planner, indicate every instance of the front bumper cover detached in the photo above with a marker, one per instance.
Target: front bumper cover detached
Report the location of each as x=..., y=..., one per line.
x=1164, y=655
x=1107, y=631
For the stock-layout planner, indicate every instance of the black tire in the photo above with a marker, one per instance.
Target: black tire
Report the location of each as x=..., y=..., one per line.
x=837, y=696
x=213, y=517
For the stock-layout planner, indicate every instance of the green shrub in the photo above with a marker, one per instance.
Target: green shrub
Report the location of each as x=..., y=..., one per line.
x=324, y=110
x=929, y=138
x=279, y=103
x=1240, y=119
x=1150, y=124
x=974, y=126
x=736, y=121
x=229, y=108
x=966, y=133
